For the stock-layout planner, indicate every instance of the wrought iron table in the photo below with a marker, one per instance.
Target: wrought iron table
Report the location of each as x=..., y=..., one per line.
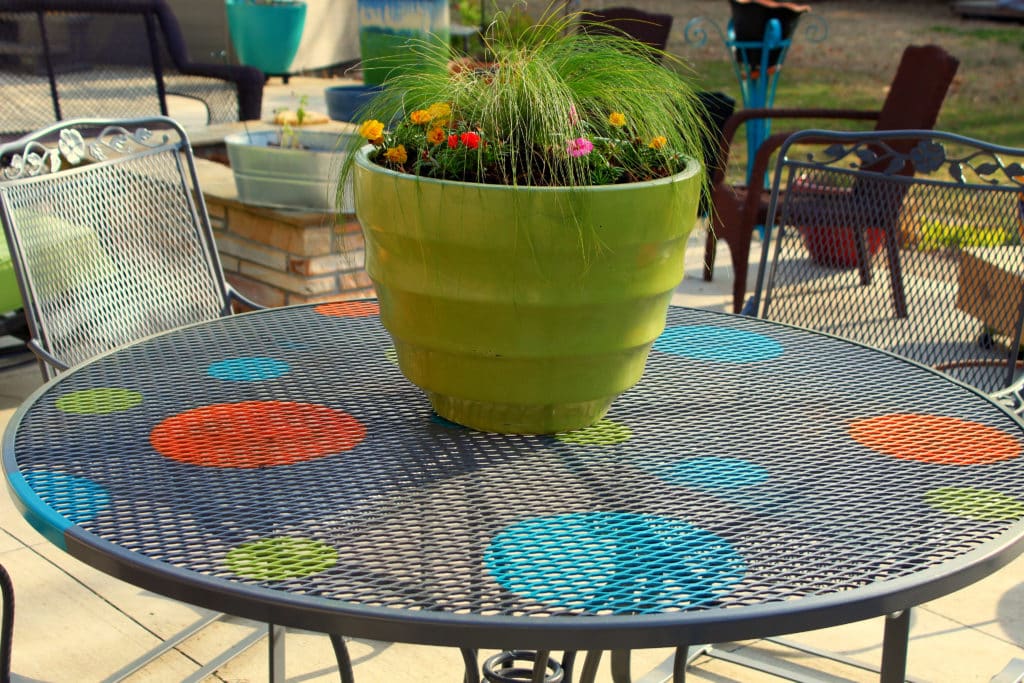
x=761, y=479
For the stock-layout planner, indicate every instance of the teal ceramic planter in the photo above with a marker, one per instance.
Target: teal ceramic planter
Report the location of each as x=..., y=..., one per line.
x=523, y=310
x=266, y=35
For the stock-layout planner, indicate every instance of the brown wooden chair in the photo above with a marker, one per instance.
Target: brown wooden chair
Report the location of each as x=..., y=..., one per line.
x=915, y=96
x=646, y=27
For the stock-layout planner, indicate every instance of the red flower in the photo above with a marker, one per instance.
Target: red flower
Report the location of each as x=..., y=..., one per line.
x=470, y=139
x=453, y=140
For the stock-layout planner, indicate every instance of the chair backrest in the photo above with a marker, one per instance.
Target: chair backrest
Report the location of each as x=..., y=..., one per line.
x=646, y=27
x=108, y=234
x=929, y=266
x=65, y=59
x=916, y=93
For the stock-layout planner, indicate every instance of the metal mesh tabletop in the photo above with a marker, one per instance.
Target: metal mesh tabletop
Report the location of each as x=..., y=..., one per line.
x=278, y=466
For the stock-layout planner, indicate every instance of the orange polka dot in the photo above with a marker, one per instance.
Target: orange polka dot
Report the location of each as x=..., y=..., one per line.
x=349, y=309
x=935, y=439
x=256, y=434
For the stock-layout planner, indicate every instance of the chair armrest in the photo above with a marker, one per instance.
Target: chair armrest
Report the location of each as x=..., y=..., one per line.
x=248, y=83
x=236, y=297
x=741, y=117
x=45, y=356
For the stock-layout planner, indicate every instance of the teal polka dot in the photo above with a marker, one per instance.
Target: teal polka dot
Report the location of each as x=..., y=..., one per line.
x=75, y=498
x=614, y=562
x=253, y=369
x=717, y=344
x=713, y=473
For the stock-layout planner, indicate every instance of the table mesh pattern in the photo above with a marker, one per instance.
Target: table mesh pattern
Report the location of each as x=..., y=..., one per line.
x=114, y=252
x=952, y=253
x=753, y=464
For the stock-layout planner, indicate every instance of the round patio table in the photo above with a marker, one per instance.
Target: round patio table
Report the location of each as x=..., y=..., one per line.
x=760, y=479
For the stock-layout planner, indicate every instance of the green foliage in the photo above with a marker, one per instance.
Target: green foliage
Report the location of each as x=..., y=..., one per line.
x=530, y=114
x=1006, y=36
x=939, y=235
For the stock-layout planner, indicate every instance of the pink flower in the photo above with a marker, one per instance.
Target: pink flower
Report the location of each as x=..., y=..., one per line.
x=580, y=147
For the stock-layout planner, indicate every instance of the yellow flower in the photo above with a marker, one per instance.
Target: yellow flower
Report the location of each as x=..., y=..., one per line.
x=658, y=142
x=439, y=111
x=436, y=135
x=372, y=129
x=396, y=155
x=420, y=117
x=617, y=119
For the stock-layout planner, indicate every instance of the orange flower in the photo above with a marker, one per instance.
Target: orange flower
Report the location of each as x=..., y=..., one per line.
x=396, y=155
x=420, y=117
x=372, y=129
x=436, y=135
x=617, y=119
x=658, y=142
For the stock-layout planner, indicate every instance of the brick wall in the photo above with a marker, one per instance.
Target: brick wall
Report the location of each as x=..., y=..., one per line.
x=278, y=258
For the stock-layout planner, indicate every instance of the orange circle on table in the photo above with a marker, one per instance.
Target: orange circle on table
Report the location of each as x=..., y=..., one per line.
x=349, y=309
x=935, y=439
x=254, y=434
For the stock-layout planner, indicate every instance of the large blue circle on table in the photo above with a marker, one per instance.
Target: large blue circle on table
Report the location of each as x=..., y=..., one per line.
x=614, y=562
x=74, y=498
x=252, y=369
x=719, y=344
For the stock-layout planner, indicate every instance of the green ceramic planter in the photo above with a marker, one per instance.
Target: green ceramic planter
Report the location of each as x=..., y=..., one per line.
x=523, y=310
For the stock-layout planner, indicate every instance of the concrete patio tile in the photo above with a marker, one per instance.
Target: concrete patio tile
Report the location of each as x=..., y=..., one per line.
x=994, y=605
x=66, y=632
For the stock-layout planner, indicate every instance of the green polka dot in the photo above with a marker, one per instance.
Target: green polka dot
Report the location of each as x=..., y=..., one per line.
x=277, y=559
x=979, y=504
x=391, y=355
x=99, y=401
x=603, y=433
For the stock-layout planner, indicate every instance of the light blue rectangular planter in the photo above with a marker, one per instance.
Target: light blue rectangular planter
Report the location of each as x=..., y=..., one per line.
x=388, y=29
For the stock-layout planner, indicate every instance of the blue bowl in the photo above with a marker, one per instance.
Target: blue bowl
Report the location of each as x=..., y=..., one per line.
x=343, y=101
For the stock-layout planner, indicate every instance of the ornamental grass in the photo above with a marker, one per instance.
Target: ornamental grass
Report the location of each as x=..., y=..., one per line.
x=552, y=105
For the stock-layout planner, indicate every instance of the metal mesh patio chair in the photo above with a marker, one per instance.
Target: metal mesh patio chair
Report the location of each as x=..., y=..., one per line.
x=65, y=59
x=111, y=242
x=909, y=241
x=915, y=97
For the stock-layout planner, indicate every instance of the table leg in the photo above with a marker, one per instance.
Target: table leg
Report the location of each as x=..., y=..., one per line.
x=344, y=660
x=275, y=635
x=589, y=672
x=469, y=661
x=620, y=666
x=679, y=664
x=894, y=647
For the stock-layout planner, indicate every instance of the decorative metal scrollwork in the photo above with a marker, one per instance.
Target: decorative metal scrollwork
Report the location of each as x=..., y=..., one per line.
x=927, y=156
x=37, y=159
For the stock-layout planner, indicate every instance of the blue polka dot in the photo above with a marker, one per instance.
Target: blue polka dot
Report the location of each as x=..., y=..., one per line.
x=293, y=345
x=719, y=344
x=614, y=562
x=253, y=369
x=713, y=473
x=74, y=498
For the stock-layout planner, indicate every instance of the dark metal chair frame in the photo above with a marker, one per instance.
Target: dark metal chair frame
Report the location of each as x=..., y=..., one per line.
x=909, y=188
x=229, y=92
x=915, y=96
x=121, y=164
